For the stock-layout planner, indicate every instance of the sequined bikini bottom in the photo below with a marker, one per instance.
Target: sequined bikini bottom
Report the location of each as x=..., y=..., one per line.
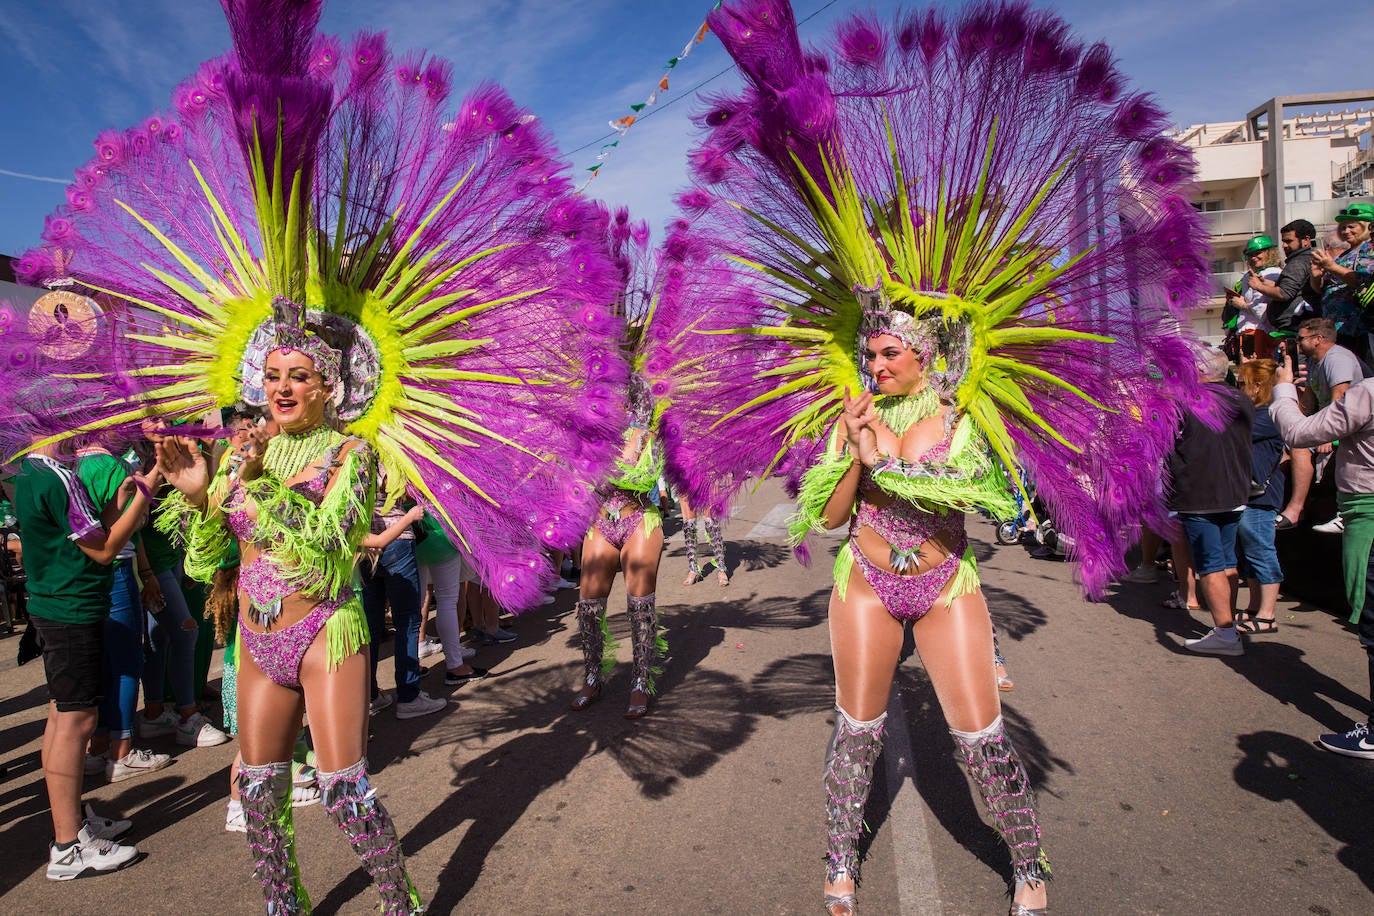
x=617, y=528
x=278, y=654
x=909, y=597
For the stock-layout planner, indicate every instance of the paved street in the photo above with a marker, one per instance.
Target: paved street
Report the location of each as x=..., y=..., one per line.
x=1169, y=783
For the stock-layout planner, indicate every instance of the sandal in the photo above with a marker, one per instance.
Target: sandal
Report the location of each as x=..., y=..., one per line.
x=693, y=577
x=1249, y=623
x=848, y=901
x=722, y=579
x=1175, y=602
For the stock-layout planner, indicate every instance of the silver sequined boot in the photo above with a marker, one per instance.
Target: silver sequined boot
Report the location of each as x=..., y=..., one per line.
x=594, y=637
x=689, y=538
x=996, y=769
x=717, y=538
x=648, y=647
x=352, y=802
x=266, y=793
x=854, y=750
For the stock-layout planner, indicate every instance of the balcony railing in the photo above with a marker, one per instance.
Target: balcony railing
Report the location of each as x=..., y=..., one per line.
x=1250, y=222
x=1235, y=222
x=1323, y=212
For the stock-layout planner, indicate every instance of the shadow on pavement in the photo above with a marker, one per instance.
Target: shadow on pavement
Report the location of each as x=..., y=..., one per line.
x=1269, y=663
x=1336, y=792
x=698, y=717
x=940, y=779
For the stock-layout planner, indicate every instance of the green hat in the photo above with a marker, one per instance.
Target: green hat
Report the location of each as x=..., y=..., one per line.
x=1356, y=211
x=1257, y=244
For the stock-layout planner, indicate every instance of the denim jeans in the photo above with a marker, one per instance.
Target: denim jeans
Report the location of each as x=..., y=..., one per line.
x=395, y=579
x=1258, y=558
x=123, y=654
x=171, y=645
x=1212, y=540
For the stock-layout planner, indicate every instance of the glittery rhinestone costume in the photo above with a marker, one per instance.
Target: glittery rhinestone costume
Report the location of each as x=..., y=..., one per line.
x=615, y=527
x=279, y=653
x=906, y=527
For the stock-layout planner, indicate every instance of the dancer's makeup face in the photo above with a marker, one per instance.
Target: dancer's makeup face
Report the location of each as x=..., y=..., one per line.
x=296, y=393
x=894, y=366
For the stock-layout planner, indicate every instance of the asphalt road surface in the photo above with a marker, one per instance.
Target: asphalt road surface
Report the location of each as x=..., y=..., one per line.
x=1168, y=782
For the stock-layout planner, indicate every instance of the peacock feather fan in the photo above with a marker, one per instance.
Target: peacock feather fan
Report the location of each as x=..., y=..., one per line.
x=987, y=170
x=338, y=175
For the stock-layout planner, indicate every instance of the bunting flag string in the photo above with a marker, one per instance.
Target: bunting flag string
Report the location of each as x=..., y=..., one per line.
x=623, y=124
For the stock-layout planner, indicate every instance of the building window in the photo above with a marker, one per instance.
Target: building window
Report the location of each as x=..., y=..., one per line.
x=1297, y=193
x=1207, y=206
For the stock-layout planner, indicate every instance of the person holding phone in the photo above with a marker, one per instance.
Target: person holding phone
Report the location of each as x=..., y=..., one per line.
x=1340, y=277
x=1350, y=420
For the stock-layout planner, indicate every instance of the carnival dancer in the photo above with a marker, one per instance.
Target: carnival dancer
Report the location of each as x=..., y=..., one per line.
x=400, y=285
x=903, y=263
x=716, y=538
x=627, y=535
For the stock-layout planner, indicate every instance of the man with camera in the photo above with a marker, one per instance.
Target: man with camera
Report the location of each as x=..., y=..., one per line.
x=1350, y=420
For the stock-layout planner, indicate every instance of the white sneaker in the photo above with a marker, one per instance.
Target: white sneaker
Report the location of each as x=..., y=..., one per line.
x=88, y=853
x=164, y=724
x=138, y=762
x=235, y=821
x=564, y=583
x=198, y=732
x=1216, y=644
x=303, y=796
x=1142, y=575
x=95, y=763
x=548, y=599
x=1335, y=526
x=422, y=705
x=430, y=647
x=105, y=828
x=383, y=700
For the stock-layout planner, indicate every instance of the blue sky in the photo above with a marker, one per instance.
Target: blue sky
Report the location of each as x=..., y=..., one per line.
x=74, y=67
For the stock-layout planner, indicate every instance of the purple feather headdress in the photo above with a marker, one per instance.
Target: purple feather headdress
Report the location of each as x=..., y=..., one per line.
x=436, y=246
x=985, y=168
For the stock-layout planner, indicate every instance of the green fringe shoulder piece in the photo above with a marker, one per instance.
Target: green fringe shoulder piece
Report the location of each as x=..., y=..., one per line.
x=204, y=536
x=818, y=484
x=315, y=546
x=969, y=479
x=642, y=476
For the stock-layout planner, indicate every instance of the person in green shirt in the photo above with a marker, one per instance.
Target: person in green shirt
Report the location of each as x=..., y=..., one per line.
x=69, y=580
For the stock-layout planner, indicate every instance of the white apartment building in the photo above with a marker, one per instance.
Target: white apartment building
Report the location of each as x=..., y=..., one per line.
x=1322, y=160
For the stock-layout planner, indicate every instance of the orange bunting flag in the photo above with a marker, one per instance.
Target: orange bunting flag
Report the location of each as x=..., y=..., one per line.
x=623, y=124
x=701, y=35
x=663, y=84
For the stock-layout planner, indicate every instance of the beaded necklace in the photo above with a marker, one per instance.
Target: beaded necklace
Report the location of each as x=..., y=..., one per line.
x=290, y=453
x=901, y=412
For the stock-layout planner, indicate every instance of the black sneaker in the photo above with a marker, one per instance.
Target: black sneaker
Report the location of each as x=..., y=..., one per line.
x=458, y=680
x=1358, y=742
